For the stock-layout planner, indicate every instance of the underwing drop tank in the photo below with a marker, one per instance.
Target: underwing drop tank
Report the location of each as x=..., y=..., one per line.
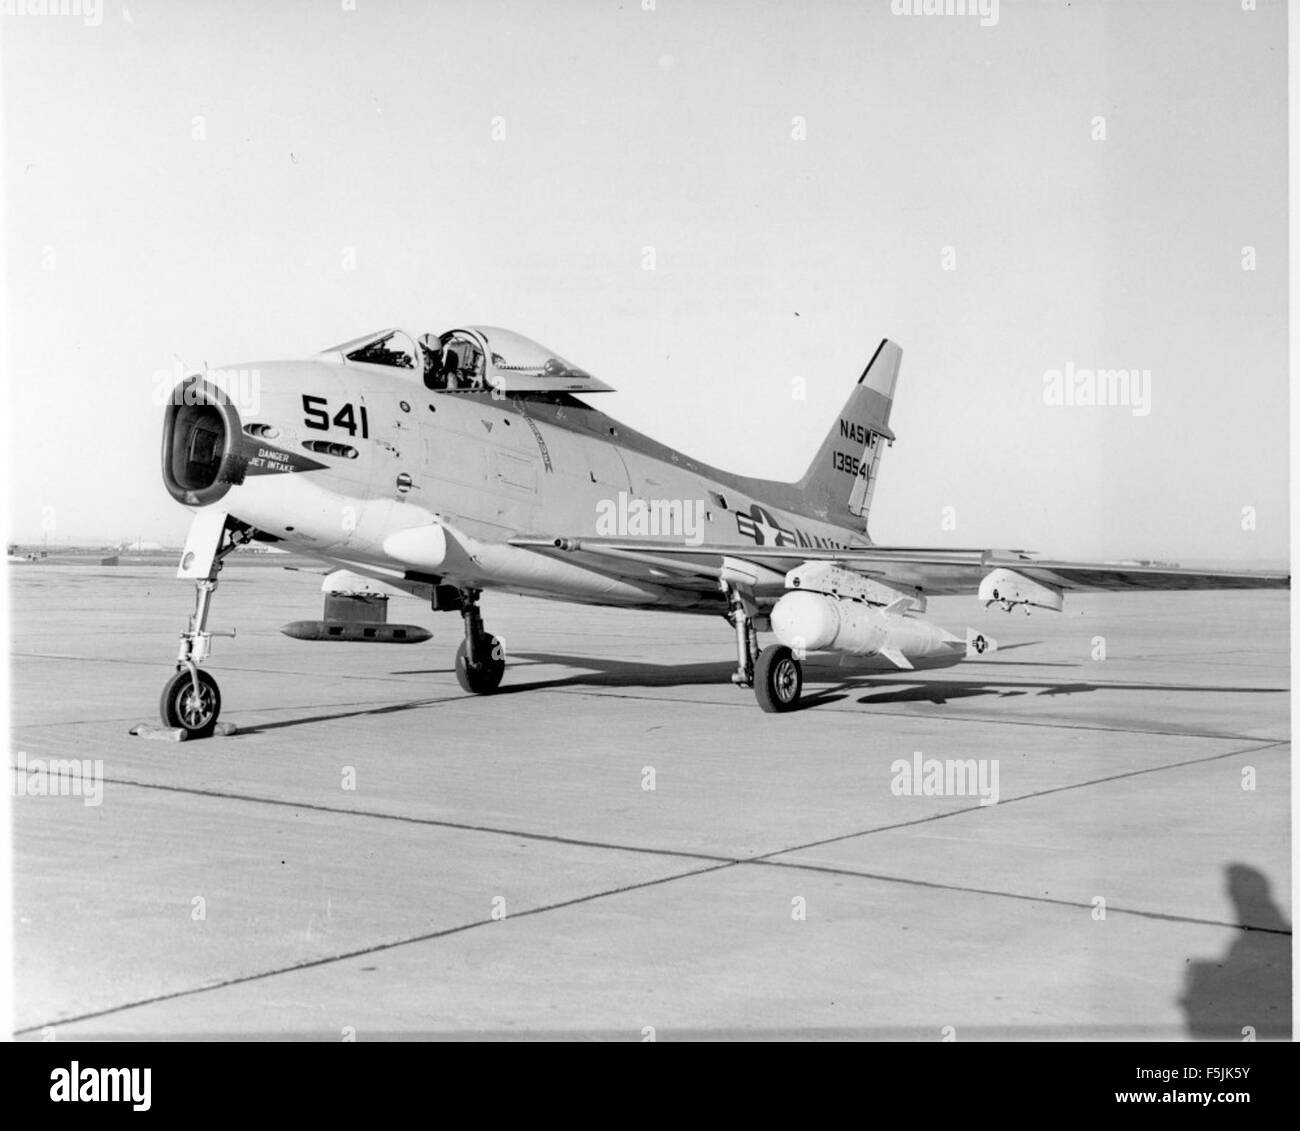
x=356, y=618
x=818, y=622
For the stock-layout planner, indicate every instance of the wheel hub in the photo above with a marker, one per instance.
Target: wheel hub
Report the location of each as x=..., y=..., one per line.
x=195, y=708
x=785, y=680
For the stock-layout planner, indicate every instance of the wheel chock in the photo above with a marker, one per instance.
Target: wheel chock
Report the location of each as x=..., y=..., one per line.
x=179, y=734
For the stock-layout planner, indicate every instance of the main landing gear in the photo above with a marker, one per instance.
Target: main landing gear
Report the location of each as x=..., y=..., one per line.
x=191, y=700
x=480, y=659
x=741, y=617
x=778, y=679
x=777, y=675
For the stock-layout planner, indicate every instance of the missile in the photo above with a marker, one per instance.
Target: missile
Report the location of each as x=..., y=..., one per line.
x=817, y=622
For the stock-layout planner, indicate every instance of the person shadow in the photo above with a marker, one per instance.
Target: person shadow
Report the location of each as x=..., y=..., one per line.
x=1249, y=988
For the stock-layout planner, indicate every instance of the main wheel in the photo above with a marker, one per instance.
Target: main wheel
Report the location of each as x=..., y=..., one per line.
x=484, y=677
x=194, y=713
x=778, y=679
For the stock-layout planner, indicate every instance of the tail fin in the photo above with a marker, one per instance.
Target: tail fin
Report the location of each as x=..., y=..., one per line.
x=841, y=479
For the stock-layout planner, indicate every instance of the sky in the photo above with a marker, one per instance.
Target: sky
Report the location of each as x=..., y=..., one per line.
x=718, y=207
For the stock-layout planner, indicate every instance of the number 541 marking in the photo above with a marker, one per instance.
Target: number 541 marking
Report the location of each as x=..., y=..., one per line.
x=317, y=411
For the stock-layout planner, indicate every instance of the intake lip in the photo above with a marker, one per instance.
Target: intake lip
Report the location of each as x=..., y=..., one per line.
x=200, y=441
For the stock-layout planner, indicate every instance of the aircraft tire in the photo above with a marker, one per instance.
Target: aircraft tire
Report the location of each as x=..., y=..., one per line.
x=179, y=707
x=778, y=679
x=480, y=679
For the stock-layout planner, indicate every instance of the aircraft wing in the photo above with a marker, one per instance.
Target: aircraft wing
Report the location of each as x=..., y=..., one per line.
x=936, y=571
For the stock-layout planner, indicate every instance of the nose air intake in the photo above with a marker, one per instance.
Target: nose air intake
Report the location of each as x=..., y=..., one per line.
x=200, y=432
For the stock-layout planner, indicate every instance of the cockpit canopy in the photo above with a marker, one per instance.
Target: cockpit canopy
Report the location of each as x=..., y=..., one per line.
x=386, y=347
x=470, y=359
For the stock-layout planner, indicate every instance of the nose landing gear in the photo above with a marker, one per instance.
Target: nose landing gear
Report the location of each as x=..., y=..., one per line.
x=191, y=700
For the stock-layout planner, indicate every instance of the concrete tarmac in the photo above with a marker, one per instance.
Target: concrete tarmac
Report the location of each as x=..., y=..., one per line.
x=620, y=845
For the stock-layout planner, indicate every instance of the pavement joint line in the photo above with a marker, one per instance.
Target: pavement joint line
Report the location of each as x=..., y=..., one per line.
x=1021, y=797
x=556, y=838
x=685, y=854
x=1111, y=908
x=715, y=863
x=403, y=818
x=376, y=948
x=718, y=865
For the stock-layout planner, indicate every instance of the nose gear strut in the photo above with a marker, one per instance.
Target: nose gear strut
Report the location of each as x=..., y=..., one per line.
x=191, y=699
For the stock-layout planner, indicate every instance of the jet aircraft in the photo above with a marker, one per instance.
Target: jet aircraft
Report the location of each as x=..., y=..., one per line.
x=442, y=466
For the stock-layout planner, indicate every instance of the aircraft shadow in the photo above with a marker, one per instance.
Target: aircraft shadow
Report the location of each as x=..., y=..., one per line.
x=602, y=672
x=630, y=673
x=891, y=688
x=888, y=687
x=1250, y=986
x=940, y=691
x=390, y=709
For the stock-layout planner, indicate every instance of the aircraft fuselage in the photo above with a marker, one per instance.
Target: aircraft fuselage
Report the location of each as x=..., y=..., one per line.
x=339, y=460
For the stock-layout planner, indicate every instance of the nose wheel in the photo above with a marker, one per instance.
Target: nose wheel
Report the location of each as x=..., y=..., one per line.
x=191, y=700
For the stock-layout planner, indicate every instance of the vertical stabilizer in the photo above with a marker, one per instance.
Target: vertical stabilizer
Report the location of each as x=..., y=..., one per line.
x=840, y=481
